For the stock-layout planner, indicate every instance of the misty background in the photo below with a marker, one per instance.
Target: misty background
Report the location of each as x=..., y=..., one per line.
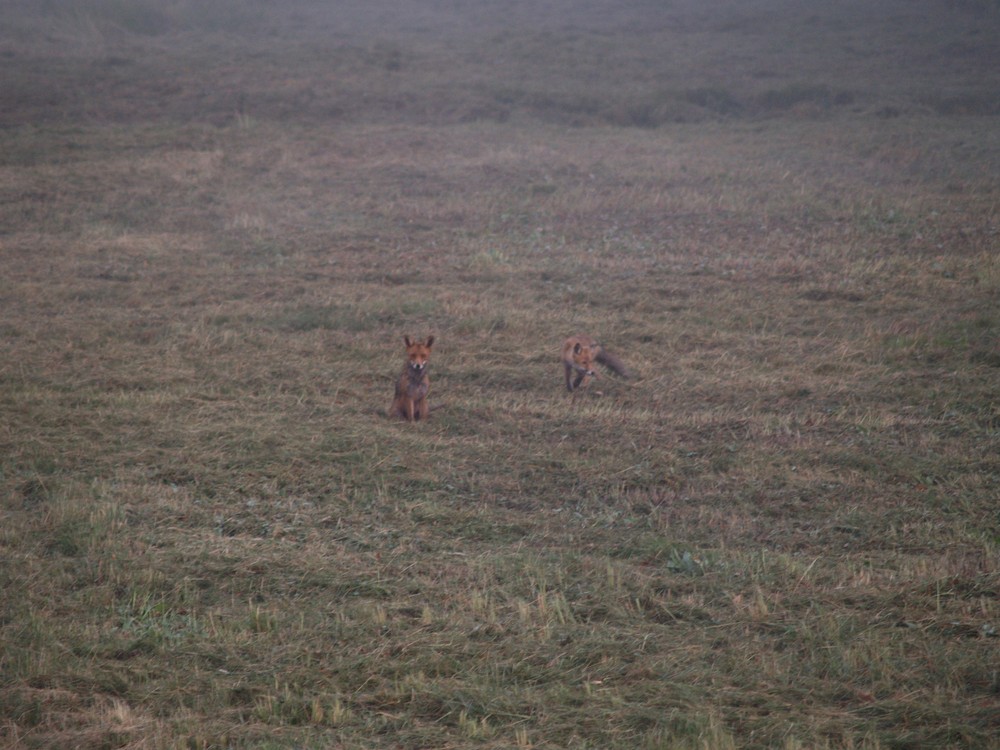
x=642, y=63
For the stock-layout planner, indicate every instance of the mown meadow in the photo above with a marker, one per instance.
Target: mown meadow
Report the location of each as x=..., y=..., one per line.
x=219, y=219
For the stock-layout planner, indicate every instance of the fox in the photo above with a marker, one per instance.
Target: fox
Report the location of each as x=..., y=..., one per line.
x=413, y=385
x=578, y=356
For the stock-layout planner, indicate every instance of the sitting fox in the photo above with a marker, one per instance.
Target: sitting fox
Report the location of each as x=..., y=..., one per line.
x=413, y=385
x=579, y=354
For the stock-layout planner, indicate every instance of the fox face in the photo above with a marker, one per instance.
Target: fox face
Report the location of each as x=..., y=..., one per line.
x=584, y=356
x=417, y=353
x=579, y=355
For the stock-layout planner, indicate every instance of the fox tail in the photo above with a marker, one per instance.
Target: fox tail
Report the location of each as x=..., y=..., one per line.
x=612, y=362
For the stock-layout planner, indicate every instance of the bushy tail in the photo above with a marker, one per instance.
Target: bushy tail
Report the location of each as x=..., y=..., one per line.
x=612, y=362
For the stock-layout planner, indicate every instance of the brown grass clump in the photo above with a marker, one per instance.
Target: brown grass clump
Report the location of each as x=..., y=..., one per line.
x=781, y=533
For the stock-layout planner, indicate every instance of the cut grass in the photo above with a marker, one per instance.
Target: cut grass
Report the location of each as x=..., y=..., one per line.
x=781, y=533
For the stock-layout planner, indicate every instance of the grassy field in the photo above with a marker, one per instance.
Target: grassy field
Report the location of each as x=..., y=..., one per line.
x=218, y=220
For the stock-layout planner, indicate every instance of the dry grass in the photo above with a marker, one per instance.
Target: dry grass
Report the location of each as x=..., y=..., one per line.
x=782, y=533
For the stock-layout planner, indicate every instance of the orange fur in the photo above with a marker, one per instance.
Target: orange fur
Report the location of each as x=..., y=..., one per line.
x=413, y=385
x=579, y=353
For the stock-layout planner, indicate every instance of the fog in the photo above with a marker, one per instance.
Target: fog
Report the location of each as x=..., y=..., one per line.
x=644, y=63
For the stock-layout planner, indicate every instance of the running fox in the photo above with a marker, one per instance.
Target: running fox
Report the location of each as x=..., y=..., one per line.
x=413, y=384
x=579, y=354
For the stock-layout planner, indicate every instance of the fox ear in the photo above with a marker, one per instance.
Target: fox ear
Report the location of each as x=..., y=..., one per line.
x=577, y=348
x=430, y=341
x=406, y=340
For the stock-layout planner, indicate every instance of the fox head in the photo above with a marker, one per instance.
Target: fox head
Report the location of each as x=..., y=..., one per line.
x=584, y=356
x=418, y=353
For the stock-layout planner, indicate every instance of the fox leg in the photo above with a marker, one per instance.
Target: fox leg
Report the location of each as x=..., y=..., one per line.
x=581, y=375
x=583, y=378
